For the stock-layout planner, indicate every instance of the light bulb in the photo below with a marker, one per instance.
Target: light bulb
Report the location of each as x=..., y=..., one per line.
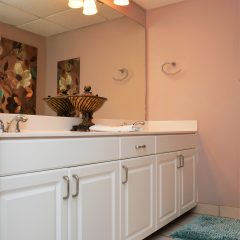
x=121, y=2
x=89, y=7
x=75, y=3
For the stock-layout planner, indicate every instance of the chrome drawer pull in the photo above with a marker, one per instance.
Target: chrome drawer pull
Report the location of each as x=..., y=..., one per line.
x=140, y=146
x=77, y=185
x=182, y=160
x=66, y=178
x=179, y=161
x=126, y=178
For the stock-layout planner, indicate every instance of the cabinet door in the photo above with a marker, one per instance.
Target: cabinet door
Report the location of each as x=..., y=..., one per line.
x=137, y=200
x=167, y=188
x=95, y=209
x=32, y=206
x=188, y=181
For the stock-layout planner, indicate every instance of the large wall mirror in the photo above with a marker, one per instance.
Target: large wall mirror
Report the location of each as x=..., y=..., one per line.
x=111, y=48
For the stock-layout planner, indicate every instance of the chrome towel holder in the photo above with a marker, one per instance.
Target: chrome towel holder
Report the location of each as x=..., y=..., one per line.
x=167, y=66
x=123, y=74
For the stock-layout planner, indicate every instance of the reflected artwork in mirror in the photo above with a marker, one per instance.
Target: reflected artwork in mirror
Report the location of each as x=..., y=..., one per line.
x=18, y=77
x=68, y=74
x=105, y=43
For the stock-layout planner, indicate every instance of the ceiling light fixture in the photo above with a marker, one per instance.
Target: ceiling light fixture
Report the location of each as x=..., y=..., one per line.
x=75, y=3
x=121, y=2
x=89, y=7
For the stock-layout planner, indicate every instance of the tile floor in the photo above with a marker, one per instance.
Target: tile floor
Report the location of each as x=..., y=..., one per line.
x=163, y=233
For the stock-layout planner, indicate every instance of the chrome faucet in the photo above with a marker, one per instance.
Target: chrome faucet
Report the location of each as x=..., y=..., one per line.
x=138, y=123
x=134, y=124
x=17, y=119
x=2, y=129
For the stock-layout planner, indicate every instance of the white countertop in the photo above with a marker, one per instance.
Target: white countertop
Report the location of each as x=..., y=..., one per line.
x=56, y=127
x=150, y=128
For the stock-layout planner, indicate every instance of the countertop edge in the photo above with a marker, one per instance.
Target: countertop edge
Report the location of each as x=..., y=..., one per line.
x=69, y=134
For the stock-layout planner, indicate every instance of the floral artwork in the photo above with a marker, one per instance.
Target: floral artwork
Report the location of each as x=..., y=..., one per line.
x=18, y=76
x=68, y=76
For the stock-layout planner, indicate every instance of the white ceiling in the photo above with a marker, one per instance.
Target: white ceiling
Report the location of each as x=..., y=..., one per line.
x=50, y=17
x=149, y=4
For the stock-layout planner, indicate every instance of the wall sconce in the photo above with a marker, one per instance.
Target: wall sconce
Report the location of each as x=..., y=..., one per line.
x=89, y=6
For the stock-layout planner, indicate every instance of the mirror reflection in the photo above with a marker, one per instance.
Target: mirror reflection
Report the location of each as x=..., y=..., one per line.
x=109, y=47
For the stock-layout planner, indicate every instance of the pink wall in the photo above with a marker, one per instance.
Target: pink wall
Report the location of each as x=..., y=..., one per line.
x=31, y=39
x=202, y=36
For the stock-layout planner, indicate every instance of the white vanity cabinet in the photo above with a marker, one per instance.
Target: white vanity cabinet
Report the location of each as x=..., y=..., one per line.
x=72, y=203
x=176, y=177
x=32, y=206
x=137, y=186
x=187, y=180
x=80, y=203
x=88, y=188
x=167, y=188
x=137, y=200
x=95, y=202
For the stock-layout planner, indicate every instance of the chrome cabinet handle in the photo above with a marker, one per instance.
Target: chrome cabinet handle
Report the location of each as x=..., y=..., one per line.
x=179, y=161
x=126, y=171
x=77, y=185
x=140, y=146
x=66, y=178
x=182, y=161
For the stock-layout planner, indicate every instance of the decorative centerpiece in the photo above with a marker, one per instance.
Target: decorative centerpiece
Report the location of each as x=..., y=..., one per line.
x=86, y=104
x=61, y=105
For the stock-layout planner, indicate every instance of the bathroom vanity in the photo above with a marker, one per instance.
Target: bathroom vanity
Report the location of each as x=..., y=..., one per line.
x=89, y=186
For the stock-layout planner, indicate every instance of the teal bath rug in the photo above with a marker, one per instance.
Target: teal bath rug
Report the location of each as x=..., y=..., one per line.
x=209, y=228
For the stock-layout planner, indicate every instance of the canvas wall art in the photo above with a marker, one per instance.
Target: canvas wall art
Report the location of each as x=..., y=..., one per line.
x=68, y=76
x=18, y=77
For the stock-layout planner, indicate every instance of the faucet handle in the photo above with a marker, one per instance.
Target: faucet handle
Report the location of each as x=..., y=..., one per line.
x=20, y=118
x=2, y=128
x=136, y=125
x=15, y=121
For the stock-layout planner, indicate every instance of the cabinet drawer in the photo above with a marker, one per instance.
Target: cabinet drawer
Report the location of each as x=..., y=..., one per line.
x=168, y=143
x=27, y=155
x=136, y=146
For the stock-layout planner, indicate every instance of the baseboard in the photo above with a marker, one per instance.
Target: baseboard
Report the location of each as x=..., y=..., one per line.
x=206, y=209
x=231, y=212
x=223, y=211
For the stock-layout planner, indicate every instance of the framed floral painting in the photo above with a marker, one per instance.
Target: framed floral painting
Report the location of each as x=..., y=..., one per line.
x=18, y=77
x=68, y=76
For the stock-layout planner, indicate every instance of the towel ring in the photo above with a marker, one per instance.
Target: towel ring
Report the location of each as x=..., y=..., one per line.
x=171, y=64
x=123, y=74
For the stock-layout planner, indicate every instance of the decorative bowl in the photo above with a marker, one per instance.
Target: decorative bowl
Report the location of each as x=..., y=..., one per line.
x=86, y=104
x=61, y=105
